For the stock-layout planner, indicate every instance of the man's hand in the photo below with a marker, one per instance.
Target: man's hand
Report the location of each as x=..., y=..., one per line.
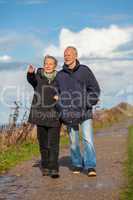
x=31, y=69
x=56, y=98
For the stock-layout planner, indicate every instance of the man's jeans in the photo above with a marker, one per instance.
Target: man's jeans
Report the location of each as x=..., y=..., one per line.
x=88, y=160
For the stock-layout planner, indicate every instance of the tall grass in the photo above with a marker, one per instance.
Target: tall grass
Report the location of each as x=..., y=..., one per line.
x=16, y=154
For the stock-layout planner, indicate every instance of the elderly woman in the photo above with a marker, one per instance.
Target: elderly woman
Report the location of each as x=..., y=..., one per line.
x=43, y=113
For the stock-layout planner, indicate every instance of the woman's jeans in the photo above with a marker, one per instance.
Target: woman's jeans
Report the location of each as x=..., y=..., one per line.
x=88, y=160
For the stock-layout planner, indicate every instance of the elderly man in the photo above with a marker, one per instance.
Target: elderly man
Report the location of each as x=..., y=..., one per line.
x=79, y=91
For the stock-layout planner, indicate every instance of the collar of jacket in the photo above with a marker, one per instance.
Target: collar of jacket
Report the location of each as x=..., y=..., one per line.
x=40, y=71
x=66, y=69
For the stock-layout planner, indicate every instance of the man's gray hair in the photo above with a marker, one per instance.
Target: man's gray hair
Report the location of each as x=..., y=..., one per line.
x=74, y=48
x=51, y=57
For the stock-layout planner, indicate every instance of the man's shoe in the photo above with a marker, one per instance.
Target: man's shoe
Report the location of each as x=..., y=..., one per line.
x=54, y=173
x=45, y=171
x=77, y=170
x=91, y=172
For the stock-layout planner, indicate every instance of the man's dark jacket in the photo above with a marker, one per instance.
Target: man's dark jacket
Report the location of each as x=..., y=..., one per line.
x=79, y=91
x=43, y=110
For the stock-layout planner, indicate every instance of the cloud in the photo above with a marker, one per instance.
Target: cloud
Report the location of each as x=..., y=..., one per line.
x=107, y=51
x=113, y=18
x=9, y=41
x=14, y=87
x=114, y=76
x=25, y=2
x=26, y=42
x=94, y=43
x=6, y=58
x=13, y=66
x=32, y=2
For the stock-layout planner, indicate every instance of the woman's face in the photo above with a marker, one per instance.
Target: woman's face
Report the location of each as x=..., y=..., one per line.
x=49, y=65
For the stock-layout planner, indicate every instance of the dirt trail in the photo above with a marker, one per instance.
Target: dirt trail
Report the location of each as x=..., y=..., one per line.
x=25, y=182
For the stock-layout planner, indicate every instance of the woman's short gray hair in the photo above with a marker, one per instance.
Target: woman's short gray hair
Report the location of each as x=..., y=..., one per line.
x=51, y=57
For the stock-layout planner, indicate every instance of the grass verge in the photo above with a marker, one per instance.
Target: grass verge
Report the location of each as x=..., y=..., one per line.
x=127, y=193
x=16, y=154
x=22, y=152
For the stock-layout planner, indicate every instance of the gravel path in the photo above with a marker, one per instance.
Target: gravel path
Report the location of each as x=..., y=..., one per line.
x=25, y=182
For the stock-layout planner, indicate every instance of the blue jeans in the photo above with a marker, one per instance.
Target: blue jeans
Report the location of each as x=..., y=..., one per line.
x=88, y=160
